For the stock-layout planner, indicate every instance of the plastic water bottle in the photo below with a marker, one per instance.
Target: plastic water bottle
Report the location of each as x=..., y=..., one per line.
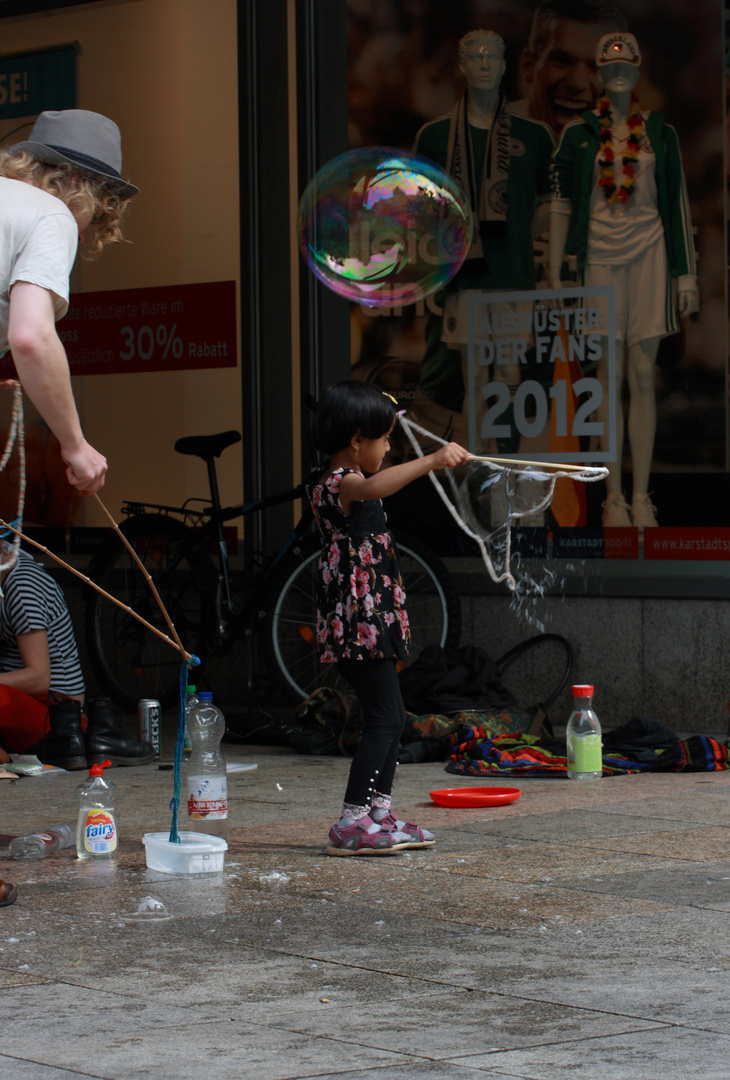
x=96, y=831
x=583, y=738
x=190, y=703
x=207, y=782
x=40, y=844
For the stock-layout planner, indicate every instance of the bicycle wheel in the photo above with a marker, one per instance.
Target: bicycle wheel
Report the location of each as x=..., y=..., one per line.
x=130, y=661
x=432, y=602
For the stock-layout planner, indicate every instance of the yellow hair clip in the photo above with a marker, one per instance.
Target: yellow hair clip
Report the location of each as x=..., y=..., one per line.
x=394, y=400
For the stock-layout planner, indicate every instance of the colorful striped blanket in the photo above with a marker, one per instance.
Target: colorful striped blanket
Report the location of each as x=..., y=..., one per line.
x=475, y=754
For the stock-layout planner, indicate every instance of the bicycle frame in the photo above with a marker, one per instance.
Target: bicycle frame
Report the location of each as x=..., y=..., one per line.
x=209, y=520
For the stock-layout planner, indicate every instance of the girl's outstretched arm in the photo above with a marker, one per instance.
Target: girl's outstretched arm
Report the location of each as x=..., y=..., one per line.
x=356, y=488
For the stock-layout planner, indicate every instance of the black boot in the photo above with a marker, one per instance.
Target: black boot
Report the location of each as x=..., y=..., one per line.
x=106, y=739
x=64, y=747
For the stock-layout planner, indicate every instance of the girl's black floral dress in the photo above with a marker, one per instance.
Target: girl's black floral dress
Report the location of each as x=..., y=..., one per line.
x=361, y=611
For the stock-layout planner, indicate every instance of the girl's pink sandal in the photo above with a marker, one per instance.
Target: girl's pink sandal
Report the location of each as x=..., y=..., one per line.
x=417, y=837
x=356, y=840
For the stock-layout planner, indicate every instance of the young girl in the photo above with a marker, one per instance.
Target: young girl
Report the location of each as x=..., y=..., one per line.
x=362, y=625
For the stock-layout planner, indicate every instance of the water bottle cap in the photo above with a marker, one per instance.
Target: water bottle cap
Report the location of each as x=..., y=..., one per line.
x=191, y=688
x=582, y=691
x=205, y=695
x=98, y=770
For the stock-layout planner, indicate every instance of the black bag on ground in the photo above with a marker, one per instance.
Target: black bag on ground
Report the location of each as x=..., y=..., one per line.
x=442, y=692
x=318, y=723
x=464, y=680
x=258, y=725
x=439, y=679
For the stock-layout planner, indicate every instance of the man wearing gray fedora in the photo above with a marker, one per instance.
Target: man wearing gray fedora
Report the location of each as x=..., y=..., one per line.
x=64, y=181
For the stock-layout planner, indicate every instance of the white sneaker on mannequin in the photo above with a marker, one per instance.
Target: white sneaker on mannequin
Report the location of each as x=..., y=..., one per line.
x=616, y=513
x=642, y=512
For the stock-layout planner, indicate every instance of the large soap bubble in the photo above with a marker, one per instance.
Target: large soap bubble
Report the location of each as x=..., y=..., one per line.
x=384, y=227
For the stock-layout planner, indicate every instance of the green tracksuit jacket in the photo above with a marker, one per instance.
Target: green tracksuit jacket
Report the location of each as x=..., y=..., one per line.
x=573, y=163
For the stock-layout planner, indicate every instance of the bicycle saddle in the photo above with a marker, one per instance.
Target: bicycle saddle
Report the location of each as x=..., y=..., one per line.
x=207, y=446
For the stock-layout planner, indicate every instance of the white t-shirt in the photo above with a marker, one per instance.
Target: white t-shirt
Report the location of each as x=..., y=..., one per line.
x=38, y=241
x=624, y=231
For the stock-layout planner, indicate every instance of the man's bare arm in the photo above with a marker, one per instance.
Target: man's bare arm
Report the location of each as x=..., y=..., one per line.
x=42, y=366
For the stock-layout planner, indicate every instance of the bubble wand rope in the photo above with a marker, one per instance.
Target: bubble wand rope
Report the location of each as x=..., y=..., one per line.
x=188, y=661
x=409, y=427
x=174, y=837
x=589, y=473
x=16, y=431
x=145, y=571
x=189, y=658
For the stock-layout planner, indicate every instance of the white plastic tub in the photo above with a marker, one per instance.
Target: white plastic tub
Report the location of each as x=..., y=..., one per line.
x=196, y=853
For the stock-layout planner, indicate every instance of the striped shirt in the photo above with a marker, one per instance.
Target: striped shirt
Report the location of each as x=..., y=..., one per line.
x=33, y=601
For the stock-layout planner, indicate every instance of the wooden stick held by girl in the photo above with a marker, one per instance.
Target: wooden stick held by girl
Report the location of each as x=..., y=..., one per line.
x=362, y=622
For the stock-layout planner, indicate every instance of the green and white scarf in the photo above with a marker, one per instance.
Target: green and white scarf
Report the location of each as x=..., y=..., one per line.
x=491, y=206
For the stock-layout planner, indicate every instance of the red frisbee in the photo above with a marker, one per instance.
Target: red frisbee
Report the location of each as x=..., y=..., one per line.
x=475, y=796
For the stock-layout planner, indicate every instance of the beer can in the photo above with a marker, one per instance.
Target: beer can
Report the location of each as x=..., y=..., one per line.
x=148, y=722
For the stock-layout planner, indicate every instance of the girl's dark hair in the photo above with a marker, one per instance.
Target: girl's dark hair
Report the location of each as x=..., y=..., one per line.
x=349, y=407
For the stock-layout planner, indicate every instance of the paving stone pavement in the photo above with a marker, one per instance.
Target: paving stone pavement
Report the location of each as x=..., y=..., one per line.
x=578, y=932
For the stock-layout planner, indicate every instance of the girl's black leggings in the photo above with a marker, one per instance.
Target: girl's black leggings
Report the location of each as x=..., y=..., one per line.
x=373, y=767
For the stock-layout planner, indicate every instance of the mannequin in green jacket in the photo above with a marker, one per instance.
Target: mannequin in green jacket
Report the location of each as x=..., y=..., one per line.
x=620, y=209
x=503, y=163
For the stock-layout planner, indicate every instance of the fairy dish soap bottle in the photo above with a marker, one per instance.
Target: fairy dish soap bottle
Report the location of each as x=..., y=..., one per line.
x=96, y=831
x=583, y=738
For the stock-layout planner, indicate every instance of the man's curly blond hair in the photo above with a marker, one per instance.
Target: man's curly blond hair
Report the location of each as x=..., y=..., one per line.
x=79, y=190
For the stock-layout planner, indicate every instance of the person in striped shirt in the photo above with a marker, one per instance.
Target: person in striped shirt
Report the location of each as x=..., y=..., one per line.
x=42, y=688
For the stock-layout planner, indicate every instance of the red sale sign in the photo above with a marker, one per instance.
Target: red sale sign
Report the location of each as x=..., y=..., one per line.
x=166, y=328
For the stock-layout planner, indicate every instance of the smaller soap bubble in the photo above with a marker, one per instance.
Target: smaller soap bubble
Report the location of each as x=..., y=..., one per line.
x=275, y=879
x=152, y=908
x=384, y=227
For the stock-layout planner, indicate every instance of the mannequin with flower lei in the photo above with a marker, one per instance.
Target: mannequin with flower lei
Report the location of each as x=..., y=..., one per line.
x=633, y=232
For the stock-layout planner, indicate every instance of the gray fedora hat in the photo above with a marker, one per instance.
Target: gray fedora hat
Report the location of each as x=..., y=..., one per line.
x=87, y=140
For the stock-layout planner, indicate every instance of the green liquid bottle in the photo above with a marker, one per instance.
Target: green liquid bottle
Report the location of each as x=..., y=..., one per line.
x=583, y=738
